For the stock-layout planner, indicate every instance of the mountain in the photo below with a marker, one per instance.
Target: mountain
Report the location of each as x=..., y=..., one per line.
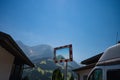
x=26, y=49
x=42, y=57
x=36, y=52
x=59, y=57
x=41, y=51
x=44, y=68
x=42, y=71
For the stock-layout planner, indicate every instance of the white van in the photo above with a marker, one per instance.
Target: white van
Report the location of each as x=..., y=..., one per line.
x=108, y=66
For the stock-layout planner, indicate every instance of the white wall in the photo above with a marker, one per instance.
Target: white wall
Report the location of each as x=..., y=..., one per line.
x=6, y=61
x=83, y=73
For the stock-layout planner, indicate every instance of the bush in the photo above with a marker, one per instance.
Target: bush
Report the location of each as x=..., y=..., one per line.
x=57, y=75
x=25, y=78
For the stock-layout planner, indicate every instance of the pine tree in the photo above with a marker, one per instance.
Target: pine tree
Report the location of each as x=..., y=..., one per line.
x=72, y=77
x=57, y=75
x=25, y=78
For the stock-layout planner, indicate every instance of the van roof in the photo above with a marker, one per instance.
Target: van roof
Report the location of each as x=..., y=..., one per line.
x=111, y=55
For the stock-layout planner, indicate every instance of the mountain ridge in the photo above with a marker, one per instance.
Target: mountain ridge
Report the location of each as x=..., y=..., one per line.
x=42, y=57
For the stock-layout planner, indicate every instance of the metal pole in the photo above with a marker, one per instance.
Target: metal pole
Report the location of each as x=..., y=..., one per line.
x=65, y=77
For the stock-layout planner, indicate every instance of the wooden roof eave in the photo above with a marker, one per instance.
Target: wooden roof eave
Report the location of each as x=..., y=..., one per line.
x=9, y=44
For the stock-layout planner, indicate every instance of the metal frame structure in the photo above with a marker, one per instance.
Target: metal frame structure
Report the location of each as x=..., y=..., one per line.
x=64, y=60
x=70, y=53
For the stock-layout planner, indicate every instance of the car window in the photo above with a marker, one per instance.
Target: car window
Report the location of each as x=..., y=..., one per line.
x=96, y=75
x=113, y=74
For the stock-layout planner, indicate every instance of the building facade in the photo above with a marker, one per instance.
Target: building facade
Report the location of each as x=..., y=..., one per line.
x=88, y=65
x=12, y=59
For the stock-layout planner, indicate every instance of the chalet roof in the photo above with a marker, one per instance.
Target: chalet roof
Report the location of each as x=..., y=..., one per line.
x=84, y=67
x=7, y=42
x=89, y=63
x=92, y=60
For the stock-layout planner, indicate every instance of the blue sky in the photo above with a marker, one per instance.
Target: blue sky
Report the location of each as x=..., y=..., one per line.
x=89, y=25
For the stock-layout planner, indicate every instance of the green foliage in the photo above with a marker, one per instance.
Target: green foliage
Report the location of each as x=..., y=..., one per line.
x=48, y=71
x=57, y=75
x=41, y=70
x=60, y=66
x=45, y=71
x=68, y=75
x=25, y=78
x=43, y=62
x=72, y=77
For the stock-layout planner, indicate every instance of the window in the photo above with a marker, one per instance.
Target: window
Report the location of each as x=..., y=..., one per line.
x=113, y=74
x=96, y=75
x=85, y=77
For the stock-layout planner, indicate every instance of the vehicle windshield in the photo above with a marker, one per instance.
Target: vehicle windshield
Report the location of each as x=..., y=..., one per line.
x=96, y=75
